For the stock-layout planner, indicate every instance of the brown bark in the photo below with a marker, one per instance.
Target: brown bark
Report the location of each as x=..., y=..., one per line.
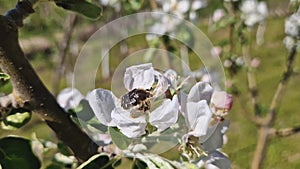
x=30, y=91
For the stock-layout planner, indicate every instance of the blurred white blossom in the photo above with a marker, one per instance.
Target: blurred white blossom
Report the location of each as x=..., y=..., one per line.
x=115, y=4
x=69, y=98
x=253, y=12
x=180, y=8
x=292, y=25
x=292, y=30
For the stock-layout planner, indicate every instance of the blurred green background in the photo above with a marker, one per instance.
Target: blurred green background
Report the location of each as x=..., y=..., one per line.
x=48, y=24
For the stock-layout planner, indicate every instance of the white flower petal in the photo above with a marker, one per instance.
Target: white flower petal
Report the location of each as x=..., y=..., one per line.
x=158, y=28
x=198, y=115
x=69, y=98
x=262, y=8
x=166, y=6
x=289, y=42
x=104, y=2
x=172, y=76
x=161, y=86
x=211, y=166
x=130, y=127
x=102, y=103
x=292, y=25
x=193, y=15
x=105, y=138
x=165, y=115
x=249, y=6
x=183, y=6
x=139, y=76
x=198, y=4
x=200, y=91
x=183, y=102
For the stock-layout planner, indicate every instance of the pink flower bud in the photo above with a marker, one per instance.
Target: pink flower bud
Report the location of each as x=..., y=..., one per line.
x=222, y=100
x=216, y=51
x=218, y=15
x=255, y=62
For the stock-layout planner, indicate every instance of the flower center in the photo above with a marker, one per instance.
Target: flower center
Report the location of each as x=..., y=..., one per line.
x=138, y=99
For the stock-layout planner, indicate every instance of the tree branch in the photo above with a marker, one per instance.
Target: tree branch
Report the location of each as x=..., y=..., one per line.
x=278, y=96
x=64, y=47
x=265, y=130
x=251, y=78
x=30, y=91
x=255, y=119
x=284, y=132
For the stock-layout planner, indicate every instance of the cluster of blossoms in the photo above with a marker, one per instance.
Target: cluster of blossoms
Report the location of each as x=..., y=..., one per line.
x=292, y=30
x=154, y=103
x=180, y=9
x=253, y=12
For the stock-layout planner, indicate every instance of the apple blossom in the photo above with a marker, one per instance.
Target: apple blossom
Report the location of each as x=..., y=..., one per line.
x=132, y=121
x=198, y=108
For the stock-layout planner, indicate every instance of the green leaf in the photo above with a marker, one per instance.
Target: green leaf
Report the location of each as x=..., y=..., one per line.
x=84, y=111
x=96, y=125
x=224, y=22
x=131, y=6
x=6, y=88
x=188, y=165
x=16, y=153
x=80, y=6
x=139, y=164
x=116, y=163
x=160, y=162
x=136, y=4
x=4, y=79
x=100, y=161
x=118, y=138
x=54, y=166
x=64, y=149
x=17, y=118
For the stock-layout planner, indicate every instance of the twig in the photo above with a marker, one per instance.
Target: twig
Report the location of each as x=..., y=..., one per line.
x=153, y=5
x=255, y=119
x=264, y=132
x=251, y=78
x=63, y=51
x=285, y=131
x=278, y=96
